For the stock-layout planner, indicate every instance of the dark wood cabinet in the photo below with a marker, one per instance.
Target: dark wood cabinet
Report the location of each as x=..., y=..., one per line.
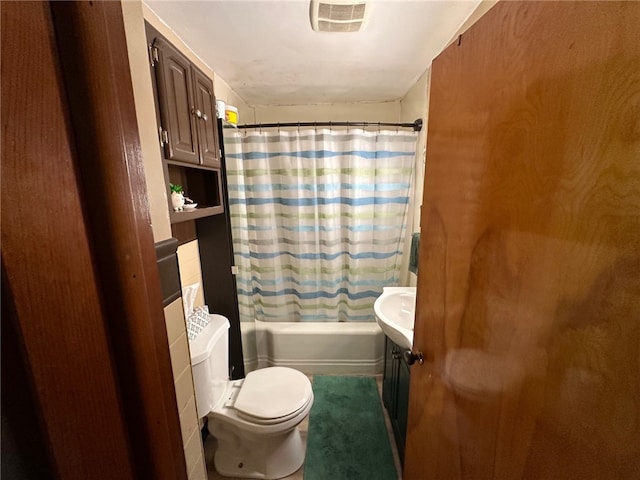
x=185, y=95
x=395, y=392
x=193, y=151
x=206, y=121
x=187, y=129
x=176, y=98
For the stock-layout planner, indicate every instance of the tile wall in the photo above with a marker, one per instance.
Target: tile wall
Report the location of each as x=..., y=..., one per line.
x=181, y=366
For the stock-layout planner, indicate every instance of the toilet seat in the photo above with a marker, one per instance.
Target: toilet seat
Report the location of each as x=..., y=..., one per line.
x=273, y=391
x=272, y=395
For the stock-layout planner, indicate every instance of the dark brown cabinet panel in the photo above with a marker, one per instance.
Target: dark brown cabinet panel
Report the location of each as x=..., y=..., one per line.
x=185, y=95
x=395, y=392
x=187, y=127
x=175, y=95
x=206, y=119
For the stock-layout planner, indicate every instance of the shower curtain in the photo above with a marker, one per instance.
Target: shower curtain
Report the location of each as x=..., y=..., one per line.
x=318, y=220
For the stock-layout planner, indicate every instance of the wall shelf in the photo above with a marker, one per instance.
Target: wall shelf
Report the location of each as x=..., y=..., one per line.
x=192, y=165
x=202, y=185
x=183, y=216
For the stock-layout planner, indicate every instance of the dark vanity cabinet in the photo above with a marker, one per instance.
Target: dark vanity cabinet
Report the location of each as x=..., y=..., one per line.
x=395, y=392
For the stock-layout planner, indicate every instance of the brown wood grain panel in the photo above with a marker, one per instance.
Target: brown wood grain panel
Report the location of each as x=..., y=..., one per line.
x=25, y=454
x=185, y=232
x=205, y=101
x=98, y=85
x=175, y=94
x=48, y=263
x=528, y=306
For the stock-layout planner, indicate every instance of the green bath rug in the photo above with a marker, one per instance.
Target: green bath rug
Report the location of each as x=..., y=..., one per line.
x=347, y=438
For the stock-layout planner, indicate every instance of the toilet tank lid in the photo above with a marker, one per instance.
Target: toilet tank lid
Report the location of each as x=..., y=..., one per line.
x=201, y=346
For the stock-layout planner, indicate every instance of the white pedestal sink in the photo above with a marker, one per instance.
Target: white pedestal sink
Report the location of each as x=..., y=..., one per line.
x=395, y=313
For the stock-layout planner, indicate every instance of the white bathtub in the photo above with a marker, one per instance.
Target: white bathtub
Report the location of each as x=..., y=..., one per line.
x=314, y=347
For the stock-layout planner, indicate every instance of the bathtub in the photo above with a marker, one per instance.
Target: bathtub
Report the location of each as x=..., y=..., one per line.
x=314, y=347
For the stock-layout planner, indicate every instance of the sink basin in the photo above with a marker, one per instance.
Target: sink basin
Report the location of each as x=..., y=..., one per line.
x=395, y=313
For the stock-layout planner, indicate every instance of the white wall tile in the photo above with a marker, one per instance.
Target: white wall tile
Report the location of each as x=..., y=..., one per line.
x=180, y=358
x=193, y=452
x=190, y=268
x=174, y=319
x=189, y=420
x=199, y=471
x=184, y=389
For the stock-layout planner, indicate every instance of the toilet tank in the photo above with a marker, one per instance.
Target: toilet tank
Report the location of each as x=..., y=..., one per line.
x=210, y=364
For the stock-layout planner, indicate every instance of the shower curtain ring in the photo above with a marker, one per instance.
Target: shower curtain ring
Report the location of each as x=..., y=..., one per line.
x=378, y=127
x=330, y=127
x=347, y=127
x=298, y=127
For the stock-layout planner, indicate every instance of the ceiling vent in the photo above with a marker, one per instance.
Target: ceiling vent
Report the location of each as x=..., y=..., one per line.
x=337, y=15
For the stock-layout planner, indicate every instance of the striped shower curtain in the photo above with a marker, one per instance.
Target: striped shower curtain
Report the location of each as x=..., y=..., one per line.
x=318, y=220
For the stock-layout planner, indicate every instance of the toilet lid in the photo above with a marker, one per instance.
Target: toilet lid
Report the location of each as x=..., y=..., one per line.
x=273, y=392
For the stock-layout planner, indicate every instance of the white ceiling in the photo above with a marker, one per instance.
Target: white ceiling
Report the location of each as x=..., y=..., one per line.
x=267, y=52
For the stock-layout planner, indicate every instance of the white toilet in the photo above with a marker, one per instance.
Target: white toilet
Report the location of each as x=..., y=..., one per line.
x=255, y=420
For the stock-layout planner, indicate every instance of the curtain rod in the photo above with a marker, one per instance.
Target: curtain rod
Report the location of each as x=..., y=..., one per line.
x=416, y=125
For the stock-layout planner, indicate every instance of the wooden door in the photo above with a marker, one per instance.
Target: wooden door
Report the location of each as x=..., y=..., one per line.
x=207, y=124
x=81, y=299
x=177, y=105
x=528, y=309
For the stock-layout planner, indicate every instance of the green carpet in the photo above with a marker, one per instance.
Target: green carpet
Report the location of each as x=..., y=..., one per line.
x=347, y=438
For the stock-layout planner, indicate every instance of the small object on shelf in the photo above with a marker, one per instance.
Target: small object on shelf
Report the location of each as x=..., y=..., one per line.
x=231, y=114
x=177, y=197
x=189, y=207
x=221, y=107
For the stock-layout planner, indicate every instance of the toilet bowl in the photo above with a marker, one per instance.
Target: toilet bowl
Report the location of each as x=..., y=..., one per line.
x=254, y=420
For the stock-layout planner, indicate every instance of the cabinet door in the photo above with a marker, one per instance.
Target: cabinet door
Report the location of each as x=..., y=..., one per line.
x=207, y=125
x=402, y=405
x=389, y=378
x=175, y=95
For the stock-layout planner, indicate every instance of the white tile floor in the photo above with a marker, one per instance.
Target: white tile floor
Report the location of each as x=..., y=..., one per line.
x=210, y=444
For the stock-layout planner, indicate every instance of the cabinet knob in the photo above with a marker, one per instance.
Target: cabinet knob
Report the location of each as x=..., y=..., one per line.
x=205, y=117
x=411, y=357
x=196, y=112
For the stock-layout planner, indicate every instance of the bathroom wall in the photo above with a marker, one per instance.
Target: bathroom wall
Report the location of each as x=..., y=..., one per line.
x=482, y=8
x=335, y=112
x=225, y=93
x=183, y=381
x=415, y=105
x=134, y=14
